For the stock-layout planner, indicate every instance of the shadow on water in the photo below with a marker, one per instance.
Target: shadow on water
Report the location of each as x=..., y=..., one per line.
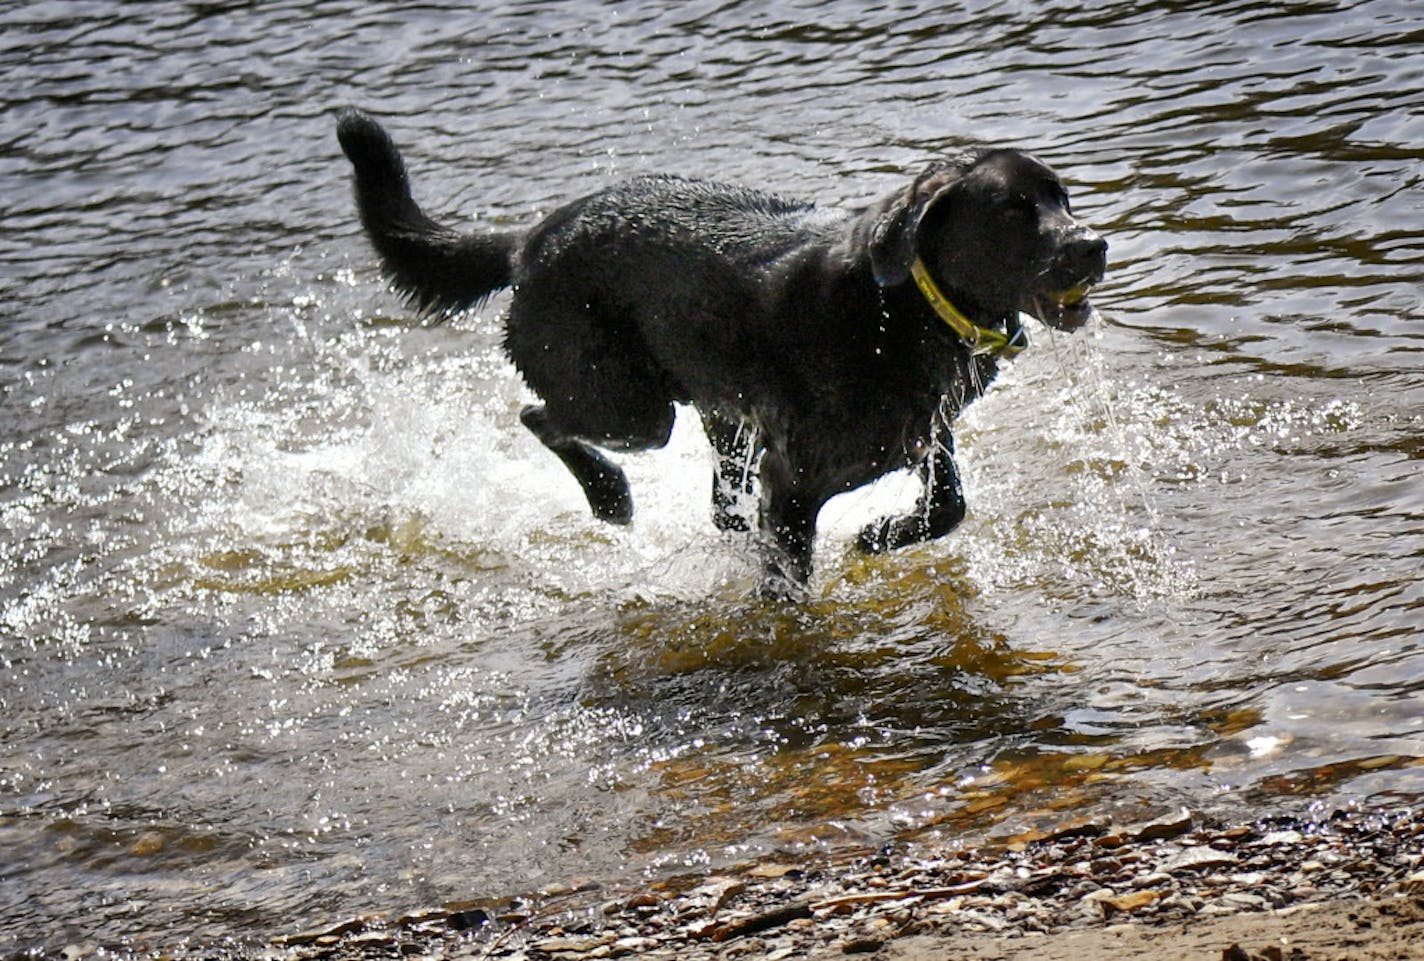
x=816, y=719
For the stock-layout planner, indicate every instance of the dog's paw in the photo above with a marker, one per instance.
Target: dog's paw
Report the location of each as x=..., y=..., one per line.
x=729, y=520
x=775, y=587
x=889, y=533
x=613, y=506
x=874, y=538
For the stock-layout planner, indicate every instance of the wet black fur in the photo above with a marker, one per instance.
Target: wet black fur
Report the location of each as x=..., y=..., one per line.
x=797, y=333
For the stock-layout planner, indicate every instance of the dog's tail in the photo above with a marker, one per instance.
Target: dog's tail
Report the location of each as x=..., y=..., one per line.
x=439, y=270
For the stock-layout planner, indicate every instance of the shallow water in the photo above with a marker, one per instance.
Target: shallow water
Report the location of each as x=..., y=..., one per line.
x=296, y=621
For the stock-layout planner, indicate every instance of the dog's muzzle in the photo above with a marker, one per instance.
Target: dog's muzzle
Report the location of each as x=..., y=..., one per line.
x=1062, y=302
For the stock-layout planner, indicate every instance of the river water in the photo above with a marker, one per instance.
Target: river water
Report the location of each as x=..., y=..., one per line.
x=296, y=621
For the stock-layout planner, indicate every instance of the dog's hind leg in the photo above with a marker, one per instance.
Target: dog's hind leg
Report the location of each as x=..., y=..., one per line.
x=733, y=477
x=570, y=429
x=603, y=482
x=598, y=389
x=940, y=509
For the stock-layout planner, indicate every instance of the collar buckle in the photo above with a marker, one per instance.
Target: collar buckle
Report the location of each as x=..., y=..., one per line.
x=979, y=340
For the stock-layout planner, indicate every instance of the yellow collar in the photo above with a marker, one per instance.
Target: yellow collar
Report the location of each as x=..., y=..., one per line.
x=982, y=340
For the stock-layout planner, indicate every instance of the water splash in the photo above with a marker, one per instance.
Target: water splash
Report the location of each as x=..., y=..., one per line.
x=1077, y=470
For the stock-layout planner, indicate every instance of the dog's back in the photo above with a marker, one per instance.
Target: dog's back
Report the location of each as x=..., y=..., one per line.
x=701, y=219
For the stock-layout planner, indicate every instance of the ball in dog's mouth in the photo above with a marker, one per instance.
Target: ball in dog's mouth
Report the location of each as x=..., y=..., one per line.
x=1066, y=309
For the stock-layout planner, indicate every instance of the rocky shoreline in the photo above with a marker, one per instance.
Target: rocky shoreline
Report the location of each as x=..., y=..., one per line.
x=1347, y=885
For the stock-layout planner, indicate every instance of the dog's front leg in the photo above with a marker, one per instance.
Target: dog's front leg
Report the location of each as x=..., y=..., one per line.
x=735, y=443
x=788, y=525
x=940, y=509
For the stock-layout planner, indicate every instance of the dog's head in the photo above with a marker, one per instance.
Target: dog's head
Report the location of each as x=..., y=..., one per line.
x=996, y=232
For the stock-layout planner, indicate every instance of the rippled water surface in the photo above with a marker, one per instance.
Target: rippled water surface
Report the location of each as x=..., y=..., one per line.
x=297, y=622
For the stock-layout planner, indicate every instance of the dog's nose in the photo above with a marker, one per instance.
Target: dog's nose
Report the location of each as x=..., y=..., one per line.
x=1085, y=254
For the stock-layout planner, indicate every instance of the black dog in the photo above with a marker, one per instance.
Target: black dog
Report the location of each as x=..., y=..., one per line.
x=824, y=349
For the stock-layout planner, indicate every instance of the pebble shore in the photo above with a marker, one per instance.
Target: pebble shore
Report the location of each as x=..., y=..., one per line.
x=1177, y=872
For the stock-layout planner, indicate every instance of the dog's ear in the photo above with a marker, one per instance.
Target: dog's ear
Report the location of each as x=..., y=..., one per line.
x=894, y=241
